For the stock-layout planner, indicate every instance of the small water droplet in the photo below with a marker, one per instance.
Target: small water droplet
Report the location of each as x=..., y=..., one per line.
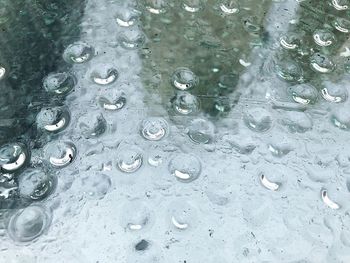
x=323, y=37
x=325, y=198
x=184, y=79
x=201, y=131
x=258, y=119
x=192, y=6
x=54, y=119
x=304, y=94
x=95, y=185
x=104, y=74
x=78, y=53
x=135, y=216
x=156, y=7
x=229, y=7
x=321, y=63
x=185, y=103
x=342, y=24
x=183, y=216
x=341, y=118
x=340, y=5
x=289, y=70
x=336, y=93
x=60, y=153
x=13, y=156
x=297, y=122
x=154, y=129
x=59, y=83
x=185, y=167
x=131, y=40
x=2, y=72
x=116, y=102
x=129, y=158
x=126, y=17
x=92, y=126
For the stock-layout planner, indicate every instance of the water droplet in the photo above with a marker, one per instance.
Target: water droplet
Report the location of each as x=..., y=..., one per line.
x=331, y=204
x=28, y=223
x=156, y=7
x=184, y=79
x=321, y=63
x=258, y=119
x=154, y=129
x=13, y=156
x=340, y=5
x=229, y=7
x=155, y=159
x=185, y=167
x=116, y=101
x=104, y=74
x=290, y=41
x=251, y=25
x=92, y=126
x=183, y=216
x=289, y=70
x=201, y=131
x=297, y=122
x=268, y=184
x=129, y=158
x=227, y=83
x=133, y=39
x=96, y=185
x=126, y=17
x=323, y=37
x=2, y=72
x=35, y=184
x=78, y=53
x=342, y=24
x=54, y=119
x=60, y=153
x=192, y=6
x=59, y=83
x=336, y=93
x=136, y=216
x=304, y=94
x=341, y=118
x=185, y=103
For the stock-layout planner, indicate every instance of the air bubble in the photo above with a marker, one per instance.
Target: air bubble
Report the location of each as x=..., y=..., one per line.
x=131, y=40
x=184, y=79
x=321, y=63
x=201, y=131
x=129, y=159
x=59, y=83
x=28, y=223
x=54, y=119
x=185, y=103
x=92, y=126
x=35, y=184
x=104, y=74
x=154, y=129
x=304, y=94
x=13, y=156
x=185, y=167
x=60, y=154
x=78, y=53
x=323, y=37
x=258, y=119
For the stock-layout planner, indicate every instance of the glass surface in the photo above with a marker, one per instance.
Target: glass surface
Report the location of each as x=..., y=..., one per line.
x=174, y=131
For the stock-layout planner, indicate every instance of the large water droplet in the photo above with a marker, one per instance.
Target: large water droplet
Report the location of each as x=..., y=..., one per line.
x=304, y=94
x=201, y=131
x=35, y=184
x=289, y=70
x=129, y=158
x=59, y=83
x=116, y=101
x=184, y=79
x=323, y=37
x=154, y=129
x=342, y=24
x=54, y=119
x=104, y=74
x=258, y=119
x=185, y=103
x=28, y=223
x=60, y=153
x=340, y=5
x=185, y=167
x=78, y=53
x=13, y=156
x=321, y=63
x=333, y=92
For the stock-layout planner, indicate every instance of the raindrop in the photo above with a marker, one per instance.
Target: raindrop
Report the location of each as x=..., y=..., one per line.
x=126, y=17
x=28, y=223
x=35, y=184
x=323, y=37
x=342, y=24
x=251, y=25
x=54, y=119
x=132, y=39
x=331, y=204
x=297, y=122
x=229, y=7
x=117, y=102
x=304, y=94
x=60, y=153
x=78, y=53
x=340, y=5
x=258, y=119
x=185, y=167
x=155, y=159
x=2, y=72
x=290, y=41
x=268, y=184
x=201, y=131
x=13, y=156
x=184, y=79
x=321, y=63
x=183, y=216
x=156, y=6
x=192, y=6
x=135, y=216
x=334, y=93
x=104, y=74
x=341, y=118
x=289, y=70
x=185, y=103
x=129, y=159
x=227, y=83
x=92, y=126
x=96, y=185
x=59, y=83
x=154, y=129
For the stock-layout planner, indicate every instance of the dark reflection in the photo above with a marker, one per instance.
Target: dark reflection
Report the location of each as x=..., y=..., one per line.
x=33, y=36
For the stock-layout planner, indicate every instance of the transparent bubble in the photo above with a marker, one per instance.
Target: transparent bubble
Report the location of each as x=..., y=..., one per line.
x=342, y=24
x=185, y=167
x=341, y=118
x=35, y=184
x=129, y=158
x=182, y=215
x=60, y=153
x=321, y=63
x=136, y=216
x=96, y=186
x=324, y=38
x=290, y=41
x=104, y=74
x=201, y=131
x=133, y=39
x=334, y=92
x=156, y=6
x=13, y=156
x=192, y=6
x=53, y=119
x=115, y=101
x=78, y=53
x=304, y=94
x=59, y=83
x=28, y=223
x=229, y=7
x=289, y=70
x=340, y=5
x=154, y=129
x=184, y=79
x=126, y=17
x=185, y=103
x=92, y=126
x=258, y=119
x=297, y=122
